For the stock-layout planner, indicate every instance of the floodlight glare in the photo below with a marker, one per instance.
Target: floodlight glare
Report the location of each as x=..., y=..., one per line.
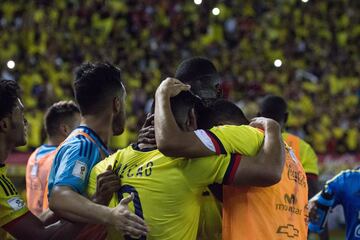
x=197, y=2
x=216, y=11
x=277, y=63
x=10, y=64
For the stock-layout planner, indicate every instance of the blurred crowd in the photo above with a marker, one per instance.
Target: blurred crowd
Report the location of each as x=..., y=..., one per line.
x=317, y=43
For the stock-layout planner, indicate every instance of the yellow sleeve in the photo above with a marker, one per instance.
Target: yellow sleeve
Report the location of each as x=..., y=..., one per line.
x=308, y=158
x=204, y=171
x=12, y=206
x=244, y=140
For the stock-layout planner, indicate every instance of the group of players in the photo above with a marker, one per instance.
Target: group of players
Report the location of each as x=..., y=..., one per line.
x=200, y=169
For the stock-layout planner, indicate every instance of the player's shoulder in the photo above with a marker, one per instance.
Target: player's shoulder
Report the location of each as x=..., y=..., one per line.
x=345, y=177
x=79, y=146
x=234, y=128
x=7, y=188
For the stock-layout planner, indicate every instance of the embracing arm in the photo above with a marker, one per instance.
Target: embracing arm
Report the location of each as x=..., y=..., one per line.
x=266, y=167
x=70, y=205
x=30, y=227
x=170, y=139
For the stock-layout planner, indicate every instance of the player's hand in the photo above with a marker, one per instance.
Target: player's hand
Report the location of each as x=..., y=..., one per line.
x=147, y=131
x=125, y=221
x=265, y=123
x=313, y=216
x=171, y=87
x=106, y=184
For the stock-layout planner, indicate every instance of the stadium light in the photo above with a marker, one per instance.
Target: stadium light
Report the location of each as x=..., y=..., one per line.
x=197, y=2
x=277, y=63
x=10, y=64
x=304, y=1
x=215, y=11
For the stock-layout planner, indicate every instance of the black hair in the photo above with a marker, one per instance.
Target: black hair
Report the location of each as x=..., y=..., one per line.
x=274, y=107
x=57, y=113
x=181, y=105
x=94, y=84
x=9, y=93
x=201, y=74
x=220, y=112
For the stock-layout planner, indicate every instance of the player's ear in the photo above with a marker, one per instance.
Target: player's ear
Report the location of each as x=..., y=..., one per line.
x=116, y=104
x=191, y=122
x=4, y=124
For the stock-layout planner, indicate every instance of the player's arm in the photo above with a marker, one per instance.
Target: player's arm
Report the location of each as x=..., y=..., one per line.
x=170, y=139
x=66, y=200
x=73, y=206
x=266, y=167
x=28, y=226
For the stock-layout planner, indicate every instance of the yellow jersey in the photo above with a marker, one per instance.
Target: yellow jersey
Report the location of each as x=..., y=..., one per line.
x=210, y=222
x=304, y=152
x=12, y=206
x=244, y=139
x=167, y=191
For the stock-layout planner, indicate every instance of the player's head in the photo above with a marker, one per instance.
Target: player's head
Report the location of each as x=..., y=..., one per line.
x=221, y=112
x=61, y=118
x=99, y=90
x=182, y=107
x=12, y=121
x=274, y=107
x=203, y=77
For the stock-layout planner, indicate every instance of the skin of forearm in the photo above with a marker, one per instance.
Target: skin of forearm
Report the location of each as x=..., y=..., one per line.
x=165, y=124
x=273, y=148
x=75, y=207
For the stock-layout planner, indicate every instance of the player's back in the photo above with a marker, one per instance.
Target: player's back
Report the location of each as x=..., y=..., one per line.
x=167, y=190
x=275, y=212
x=163, y=197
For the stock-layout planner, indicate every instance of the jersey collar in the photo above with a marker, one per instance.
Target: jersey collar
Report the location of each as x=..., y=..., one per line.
x=96, y=137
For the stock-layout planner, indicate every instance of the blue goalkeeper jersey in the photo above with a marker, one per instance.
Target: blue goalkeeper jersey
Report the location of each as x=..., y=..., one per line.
x=75, y=158
x=346, y=189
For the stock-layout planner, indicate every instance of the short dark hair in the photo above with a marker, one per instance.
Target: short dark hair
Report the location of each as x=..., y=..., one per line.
x=181, y=104
x=274, y=107
x=199, y=72
x=9, y=93
x=94, y=84
x=57, y=113
x=219, y=113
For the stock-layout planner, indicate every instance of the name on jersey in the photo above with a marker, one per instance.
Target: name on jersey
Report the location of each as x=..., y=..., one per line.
x=134, y=170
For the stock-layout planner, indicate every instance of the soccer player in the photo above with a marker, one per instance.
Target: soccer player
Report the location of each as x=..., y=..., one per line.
x=345, y=191
x=15, y=218
x=168, y=190
x=100, y=96
x=60, y=119
x=276, y=212
x=275, y=107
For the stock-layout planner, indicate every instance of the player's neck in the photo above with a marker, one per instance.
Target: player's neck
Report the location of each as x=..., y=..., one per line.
x=55, y=141
x=99, y=124
x=5, y=149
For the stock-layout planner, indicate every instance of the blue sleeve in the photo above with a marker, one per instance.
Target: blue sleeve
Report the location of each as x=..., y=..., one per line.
x=75, y=166
x=336, y=185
